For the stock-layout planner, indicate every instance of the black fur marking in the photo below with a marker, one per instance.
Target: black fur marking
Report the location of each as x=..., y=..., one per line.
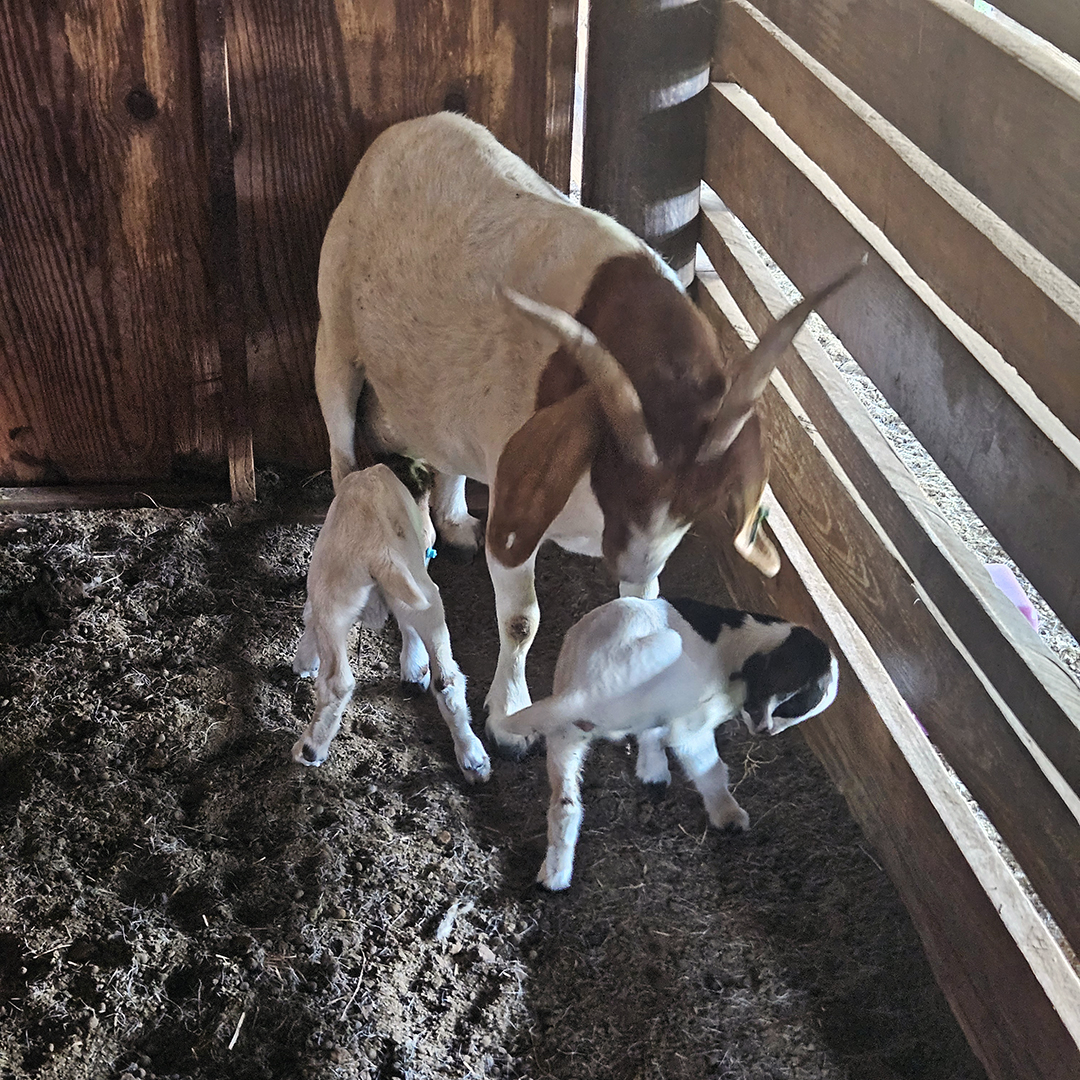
x=308, y=752
x=795, y=671
x=708, y=619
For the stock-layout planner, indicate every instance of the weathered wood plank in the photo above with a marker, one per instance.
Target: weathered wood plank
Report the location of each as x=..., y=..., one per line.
x=312, y=85
x=107, y=365
x=644, y=143
x=1009, y=986
x=1022, y=305
x=891, y=609
x=968, y=92
x=44, y=500
x=933, y=372
x=226, y=278
x=1056, y=20
x=1042, y=695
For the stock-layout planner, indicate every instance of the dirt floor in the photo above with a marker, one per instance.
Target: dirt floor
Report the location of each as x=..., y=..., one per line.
x=177, y=899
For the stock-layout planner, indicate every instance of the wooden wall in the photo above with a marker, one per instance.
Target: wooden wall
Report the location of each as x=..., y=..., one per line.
x=110, y=365
x=946, y=147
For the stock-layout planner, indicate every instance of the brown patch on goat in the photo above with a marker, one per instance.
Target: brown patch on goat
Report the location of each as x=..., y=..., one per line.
x=519, y=628
x=670, y=352
x=585, y=725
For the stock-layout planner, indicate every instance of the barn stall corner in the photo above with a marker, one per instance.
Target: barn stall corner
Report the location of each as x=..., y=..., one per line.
x=178, y=901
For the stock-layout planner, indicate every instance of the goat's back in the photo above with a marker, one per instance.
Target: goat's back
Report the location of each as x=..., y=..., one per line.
x=437, y=219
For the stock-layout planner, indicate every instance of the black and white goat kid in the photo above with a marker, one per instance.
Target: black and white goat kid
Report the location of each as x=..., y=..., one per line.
x=669, y=673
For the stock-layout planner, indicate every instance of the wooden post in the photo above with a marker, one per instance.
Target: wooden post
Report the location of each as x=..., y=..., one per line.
x=225, y=280
x=648, y=68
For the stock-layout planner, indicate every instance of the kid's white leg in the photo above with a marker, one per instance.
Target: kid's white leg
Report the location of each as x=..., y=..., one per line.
x=460, y=532
x=698, y=758
x=566, y=751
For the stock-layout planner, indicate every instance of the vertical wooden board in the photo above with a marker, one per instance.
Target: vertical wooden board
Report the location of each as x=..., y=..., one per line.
x=106, y=355
x=1000, y=114
x=312, y=85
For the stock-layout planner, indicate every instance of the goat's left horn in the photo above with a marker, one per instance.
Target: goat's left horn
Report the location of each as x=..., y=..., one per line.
x=749, y=384
x=614, y=390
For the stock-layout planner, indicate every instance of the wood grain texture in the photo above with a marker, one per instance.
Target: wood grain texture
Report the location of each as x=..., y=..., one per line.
x=935, y=679
x=1043, y=696
x=226, y=277
x=1015, y=477
x=1000, y=114
x=107, y=363
x=312, y=85
x=46, y=500
x=1056, y=20
x=644, y=138
x=1011, y=990
x=995, y=281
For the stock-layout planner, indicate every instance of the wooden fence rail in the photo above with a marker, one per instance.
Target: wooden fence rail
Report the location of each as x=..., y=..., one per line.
x=971, y=332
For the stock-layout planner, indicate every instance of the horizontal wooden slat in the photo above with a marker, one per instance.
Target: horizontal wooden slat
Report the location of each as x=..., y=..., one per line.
x=44, y=500
x=1029, y=678
x=1018, y=302
x=1016, y=477
x=1007, y=982
x=1056, y=20
x=1000, y=114
x=935, y=679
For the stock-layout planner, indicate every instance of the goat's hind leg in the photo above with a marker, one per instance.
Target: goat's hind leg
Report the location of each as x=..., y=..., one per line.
x=460, y=533
x=566, y=749
x=334, y=687
x=306, y=662
x=447, y=684
x=339, y=380
x=700, y=761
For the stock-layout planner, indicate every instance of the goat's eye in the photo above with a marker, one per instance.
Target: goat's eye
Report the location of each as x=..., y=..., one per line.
x=799, y=704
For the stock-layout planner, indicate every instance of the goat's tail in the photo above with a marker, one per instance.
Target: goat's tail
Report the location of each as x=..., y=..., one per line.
x=549, y=715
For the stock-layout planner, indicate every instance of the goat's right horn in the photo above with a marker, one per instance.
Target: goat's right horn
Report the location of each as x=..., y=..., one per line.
x=614, y=390
x=749, y=383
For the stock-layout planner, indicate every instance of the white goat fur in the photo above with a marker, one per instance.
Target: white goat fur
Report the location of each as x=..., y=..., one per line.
x=370, y=559
x=439, y=226
x=416, y=309
x=638, y=667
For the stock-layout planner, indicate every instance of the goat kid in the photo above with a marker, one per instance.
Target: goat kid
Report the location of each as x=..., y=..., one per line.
x=669, y=673
x=370, y=559
x=446, y=279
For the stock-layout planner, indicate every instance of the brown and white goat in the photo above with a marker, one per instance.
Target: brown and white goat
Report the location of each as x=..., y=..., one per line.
x=446, y=280
x=370, y=559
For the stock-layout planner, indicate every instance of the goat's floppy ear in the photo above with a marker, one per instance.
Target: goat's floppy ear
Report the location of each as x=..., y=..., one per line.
x=537, y=470
x=747, y=468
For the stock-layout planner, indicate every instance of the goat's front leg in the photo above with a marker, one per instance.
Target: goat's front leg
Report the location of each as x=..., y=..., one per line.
x=447, y=685
x=460, y=533
x=649, y=591
x=566, y=749
x=334, y=687
x=518, y=616
x=696, y=753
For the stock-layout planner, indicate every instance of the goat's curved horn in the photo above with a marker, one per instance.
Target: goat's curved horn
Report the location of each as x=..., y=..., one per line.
x=614, y=390
x=749, y=384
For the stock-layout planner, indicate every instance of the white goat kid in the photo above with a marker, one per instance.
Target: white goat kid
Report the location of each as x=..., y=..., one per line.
x=371, y=559
x=446, y=280
x=669, y=673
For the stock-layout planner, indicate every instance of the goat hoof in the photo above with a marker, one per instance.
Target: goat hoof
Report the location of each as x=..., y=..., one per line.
x=412, y=689
x=510, y=747
x=476, y=766
x=303, y=753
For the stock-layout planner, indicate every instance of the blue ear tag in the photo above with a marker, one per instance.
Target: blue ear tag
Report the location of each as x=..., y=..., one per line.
x=430, y=553
x=762, y=515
